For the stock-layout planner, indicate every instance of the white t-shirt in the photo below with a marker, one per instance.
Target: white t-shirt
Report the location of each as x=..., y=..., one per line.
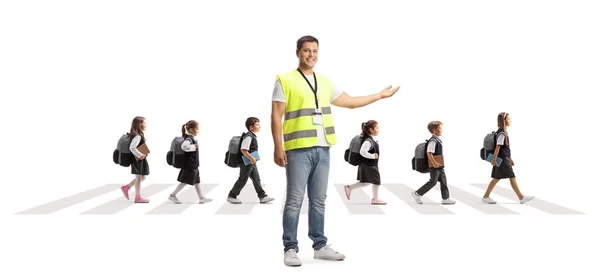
x=432, y=144
x=500, y=140
x=246, y=142
x=278, y=96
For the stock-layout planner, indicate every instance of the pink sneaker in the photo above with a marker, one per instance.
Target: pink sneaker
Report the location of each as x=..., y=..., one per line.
x=125, y=190
x=348, y=191
x=139, y=199
x=378, y=202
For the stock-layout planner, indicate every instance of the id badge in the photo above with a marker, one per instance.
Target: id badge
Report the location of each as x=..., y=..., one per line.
x=317, y=118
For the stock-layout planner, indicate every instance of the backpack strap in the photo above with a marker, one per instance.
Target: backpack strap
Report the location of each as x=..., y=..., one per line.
x=370, y=140
x=242, y=137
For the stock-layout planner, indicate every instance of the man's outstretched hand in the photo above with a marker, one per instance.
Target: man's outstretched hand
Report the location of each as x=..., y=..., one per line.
x=388, y=92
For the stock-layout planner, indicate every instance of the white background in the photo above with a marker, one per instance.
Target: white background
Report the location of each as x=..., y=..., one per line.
x=74, y=73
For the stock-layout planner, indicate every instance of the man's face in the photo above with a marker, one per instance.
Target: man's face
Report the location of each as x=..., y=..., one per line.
x=308, y=54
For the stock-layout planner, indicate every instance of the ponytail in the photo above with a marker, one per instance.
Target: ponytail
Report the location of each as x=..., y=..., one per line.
x=191, y=124
x=366, y=126
x=364, y=130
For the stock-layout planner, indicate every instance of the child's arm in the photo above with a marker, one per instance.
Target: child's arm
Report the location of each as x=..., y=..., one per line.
x=187, y=146
x=499, y=143
x=364, y=150
x=432, y=160
x=245, y=147
x=430, y=151
x=133, y=147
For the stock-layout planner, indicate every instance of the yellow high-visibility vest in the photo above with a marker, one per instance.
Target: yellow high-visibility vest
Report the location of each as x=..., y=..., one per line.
x=299, y=130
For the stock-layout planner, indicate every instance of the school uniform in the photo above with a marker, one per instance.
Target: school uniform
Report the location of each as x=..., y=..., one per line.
x=505, y=170
x=368, y=169
x=435, y=146
x=190, y=174
x=249, y=143
x=139, y=167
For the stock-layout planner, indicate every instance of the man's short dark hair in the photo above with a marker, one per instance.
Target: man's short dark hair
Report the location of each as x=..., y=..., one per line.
x=306, y=38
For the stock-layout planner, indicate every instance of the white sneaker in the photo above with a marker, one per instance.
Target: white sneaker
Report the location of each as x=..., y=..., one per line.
x=488, y=200
x=326, y=253
x=174, y=199
x=205, y=200
x=266, y=199
x=234, y=200
x=526, y=198
x=448, y=201
x=291, y=259
x=417, y=197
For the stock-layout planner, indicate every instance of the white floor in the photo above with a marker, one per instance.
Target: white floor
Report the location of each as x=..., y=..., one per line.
x=395, y=239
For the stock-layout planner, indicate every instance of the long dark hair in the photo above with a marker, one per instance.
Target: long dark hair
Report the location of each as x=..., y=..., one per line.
x=191, y=124
x=136, y=127
x=366, y=128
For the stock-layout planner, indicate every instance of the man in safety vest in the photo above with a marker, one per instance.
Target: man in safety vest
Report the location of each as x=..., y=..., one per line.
x=304, y=100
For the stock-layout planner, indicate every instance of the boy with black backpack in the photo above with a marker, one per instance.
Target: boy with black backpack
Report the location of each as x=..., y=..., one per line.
x=436, y=167
x=249, y=149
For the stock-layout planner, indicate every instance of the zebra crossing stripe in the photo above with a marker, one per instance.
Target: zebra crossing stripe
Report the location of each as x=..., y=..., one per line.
x=537, y=203
x=121, y=203
x=188, y=197
x=475, y=202
x=359, y=203
x=249, y=199
x=60, y=204
x=428, y=207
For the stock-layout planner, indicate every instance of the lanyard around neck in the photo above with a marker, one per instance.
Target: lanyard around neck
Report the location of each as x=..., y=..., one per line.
x=314, y=90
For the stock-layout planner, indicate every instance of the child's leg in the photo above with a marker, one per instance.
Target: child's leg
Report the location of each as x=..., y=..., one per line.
x=178, y=189
x=255, y=177
x=348, y=188
x=197, y=187
x=515, y=187
x=491, y=187
x=376, y=199
x=443, y=185
x=434, y=174
x=131, y=184
x=138, y=185
x=358, y=185
x=376, y=191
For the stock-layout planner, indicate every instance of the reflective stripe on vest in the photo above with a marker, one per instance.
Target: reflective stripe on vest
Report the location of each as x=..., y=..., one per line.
x=298, y=128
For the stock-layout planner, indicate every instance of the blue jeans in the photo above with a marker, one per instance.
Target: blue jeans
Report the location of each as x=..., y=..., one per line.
x=306, y=168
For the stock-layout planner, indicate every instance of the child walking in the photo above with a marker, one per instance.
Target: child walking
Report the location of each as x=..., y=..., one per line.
x=368, y=169
x=504, y=170
x=436, y=170
x=139, y=167
x=248, y=146
x=189, y=174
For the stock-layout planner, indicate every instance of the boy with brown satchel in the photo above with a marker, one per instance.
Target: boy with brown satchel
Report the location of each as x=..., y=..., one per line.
x=435, y=157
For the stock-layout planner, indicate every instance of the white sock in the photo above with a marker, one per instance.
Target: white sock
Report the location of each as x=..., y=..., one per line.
x=197, y=186
x=375, y=191
x=178, y=189
x=359, y=185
